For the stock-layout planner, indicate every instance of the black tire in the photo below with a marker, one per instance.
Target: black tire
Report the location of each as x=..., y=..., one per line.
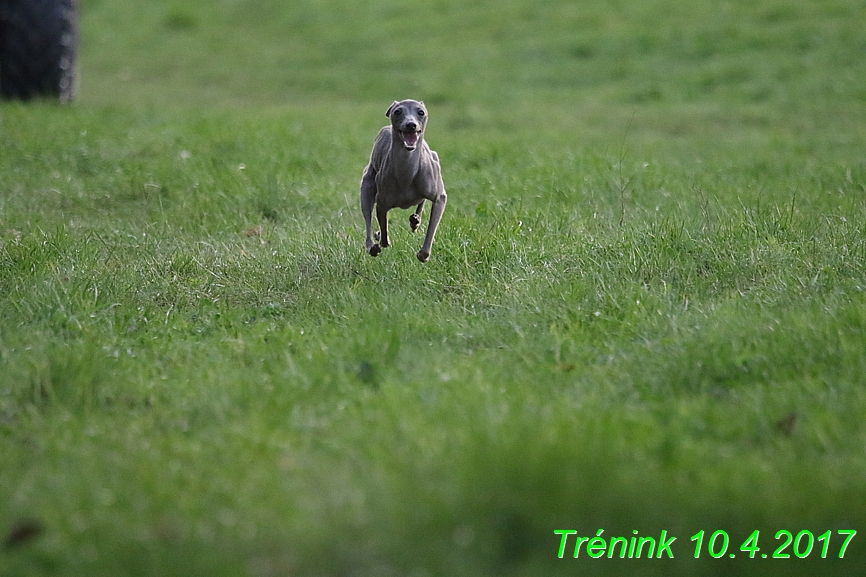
x=38, y=45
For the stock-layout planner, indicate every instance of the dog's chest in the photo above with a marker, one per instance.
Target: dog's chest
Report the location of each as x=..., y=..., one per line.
x=402, y=185
x=401, y=193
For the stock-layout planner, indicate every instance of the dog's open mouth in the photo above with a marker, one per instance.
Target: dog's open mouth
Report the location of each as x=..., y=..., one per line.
x=410, y=139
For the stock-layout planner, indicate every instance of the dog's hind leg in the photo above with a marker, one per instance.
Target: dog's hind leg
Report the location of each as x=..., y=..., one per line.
x=415, y=218
x=382, y=217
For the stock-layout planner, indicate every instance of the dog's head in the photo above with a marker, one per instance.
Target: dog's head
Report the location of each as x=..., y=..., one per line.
x=408, y=121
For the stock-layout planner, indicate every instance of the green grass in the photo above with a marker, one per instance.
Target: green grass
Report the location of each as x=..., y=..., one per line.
x=645, y=308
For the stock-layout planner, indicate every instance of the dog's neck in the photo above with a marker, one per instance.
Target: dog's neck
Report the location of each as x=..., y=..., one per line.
x=405, y=163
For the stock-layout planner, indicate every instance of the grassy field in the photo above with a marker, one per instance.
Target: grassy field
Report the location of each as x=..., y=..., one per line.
x=645, y=310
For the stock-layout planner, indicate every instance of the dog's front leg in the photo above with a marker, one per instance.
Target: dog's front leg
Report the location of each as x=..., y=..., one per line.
x=435, y=216
x=368, y=199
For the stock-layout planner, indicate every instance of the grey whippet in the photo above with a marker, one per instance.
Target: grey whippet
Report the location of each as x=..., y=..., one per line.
x=403, y=172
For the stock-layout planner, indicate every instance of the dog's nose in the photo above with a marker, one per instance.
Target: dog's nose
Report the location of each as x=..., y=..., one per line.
x=411, y=126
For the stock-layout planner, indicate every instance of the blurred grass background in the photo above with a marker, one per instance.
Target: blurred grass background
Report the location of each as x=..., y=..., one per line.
x=579, y=65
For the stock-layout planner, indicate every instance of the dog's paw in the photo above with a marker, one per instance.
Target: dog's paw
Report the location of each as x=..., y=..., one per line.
x=423, y=256
x=375, y=250
x=414, y=221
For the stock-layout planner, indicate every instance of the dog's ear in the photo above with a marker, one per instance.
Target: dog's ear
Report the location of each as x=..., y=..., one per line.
x=390, y=108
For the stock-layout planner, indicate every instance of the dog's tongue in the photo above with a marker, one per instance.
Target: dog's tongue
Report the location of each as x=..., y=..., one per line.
x=410, y=139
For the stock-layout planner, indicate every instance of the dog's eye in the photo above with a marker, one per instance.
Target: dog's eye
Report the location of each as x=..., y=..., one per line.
x=398, y=112
x=420, y=113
